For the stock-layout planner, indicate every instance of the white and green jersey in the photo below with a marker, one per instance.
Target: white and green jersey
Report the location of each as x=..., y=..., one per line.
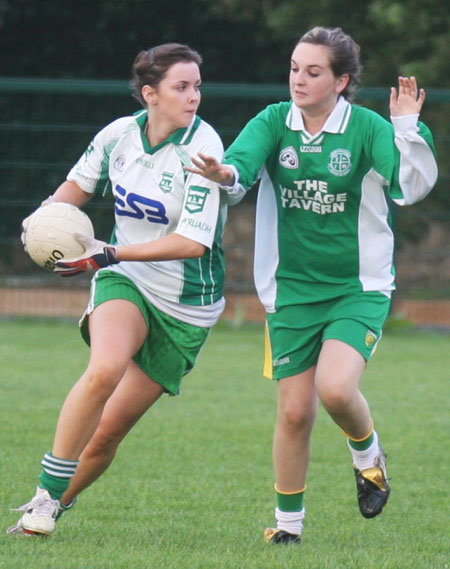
x=154, y=196
x=322, y=222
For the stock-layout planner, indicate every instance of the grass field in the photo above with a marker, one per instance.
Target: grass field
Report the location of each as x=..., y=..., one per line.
x=192, y=485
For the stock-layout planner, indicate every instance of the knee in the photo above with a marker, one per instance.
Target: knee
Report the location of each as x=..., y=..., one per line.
x=334, y=397
x=296, y=418
x=100, y=379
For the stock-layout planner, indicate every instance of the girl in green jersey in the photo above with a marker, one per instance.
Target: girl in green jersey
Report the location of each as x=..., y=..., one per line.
x=324, y=252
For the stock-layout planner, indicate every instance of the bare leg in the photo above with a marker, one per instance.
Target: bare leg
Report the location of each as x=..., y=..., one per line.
x=133, y=396
x=297, y=407
x=117, y=330
x=339, y=371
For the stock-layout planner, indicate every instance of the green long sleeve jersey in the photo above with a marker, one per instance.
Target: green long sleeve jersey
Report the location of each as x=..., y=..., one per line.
x=323, y=226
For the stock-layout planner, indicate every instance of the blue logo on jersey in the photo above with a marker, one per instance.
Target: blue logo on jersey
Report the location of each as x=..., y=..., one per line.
x=139, y=207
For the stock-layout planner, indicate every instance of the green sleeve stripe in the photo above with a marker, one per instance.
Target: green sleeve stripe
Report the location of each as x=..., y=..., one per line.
x=103, y=184
x=204, y=277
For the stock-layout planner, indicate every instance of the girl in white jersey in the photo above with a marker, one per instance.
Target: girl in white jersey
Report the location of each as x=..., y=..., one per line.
x=324, y=252
x=159, y=287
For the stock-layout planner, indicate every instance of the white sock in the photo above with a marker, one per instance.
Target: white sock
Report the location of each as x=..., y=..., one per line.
x=363, y=459
x=291, y=522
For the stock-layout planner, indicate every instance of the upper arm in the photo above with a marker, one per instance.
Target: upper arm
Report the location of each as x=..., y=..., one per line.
x=198, y=219
x=91, y=171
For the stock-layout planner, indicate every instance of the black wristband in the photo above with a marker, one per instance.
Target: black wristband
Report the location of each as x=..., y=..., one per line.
x=110, y=254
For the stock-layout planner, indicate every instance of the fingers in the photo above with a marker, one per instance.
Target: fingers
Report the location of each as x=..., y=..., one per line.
x=393, y=97
x=407, y=86
x=408, y=99
x=197, y=163
x=84, y=240
x=200, y=166
x=208, y=160
x=421, y=98
x=204, y=165
x=72, y=267
x=67, y=269
x=204, y=161
x=66, y=272
x=412, y=86
x=193, y=170
x=23, y=235
x=211, y=169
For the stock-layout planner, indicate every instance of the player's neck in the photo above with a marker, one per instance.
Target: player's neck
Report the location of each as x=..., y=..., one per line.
x=314, y=119
x=158, y=131
x=314, y=123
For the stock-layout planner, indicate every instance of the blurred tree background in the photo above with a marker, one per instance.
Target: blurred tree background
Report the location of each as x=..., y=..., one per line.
x=240, y=40
x=246, y=47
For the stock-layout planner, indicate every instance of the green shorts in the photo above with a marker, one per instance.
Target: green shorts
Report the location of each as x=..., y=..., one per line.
x=171, y=347
x=294, y=334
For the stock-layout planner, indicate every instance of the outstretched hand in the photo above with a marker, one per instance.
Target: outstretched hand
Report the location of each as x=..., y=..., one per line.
x=212, y=169
x=407, y=100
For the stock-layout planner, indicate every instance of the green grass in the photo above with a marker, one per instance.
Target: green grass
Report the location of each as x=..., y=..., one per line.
x=192, y=485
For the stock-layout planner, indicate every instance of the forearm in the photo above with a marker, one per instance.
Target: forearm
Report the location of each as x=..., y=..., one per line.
x=170, y=247
x=418, y=168
x=70, y=192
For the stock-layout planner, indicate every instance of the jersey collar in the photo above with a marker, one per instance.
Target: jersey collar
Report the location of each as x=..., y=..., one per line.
x=336, y=123
x=180, y=136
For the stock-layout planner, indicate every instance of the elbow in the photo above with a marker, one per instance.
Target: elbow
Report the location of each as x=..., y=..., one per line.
x=187, y=248
x=197, y=250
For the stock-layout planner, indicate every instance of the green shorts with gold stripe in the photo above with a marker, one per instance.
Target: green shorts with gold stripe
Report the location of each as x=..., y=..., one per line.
x=295, y=333
x=171, y=347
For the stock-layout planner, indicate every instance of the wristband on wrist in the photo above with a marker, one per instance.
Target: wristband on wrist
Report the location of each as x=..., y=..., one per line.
x=111, y=254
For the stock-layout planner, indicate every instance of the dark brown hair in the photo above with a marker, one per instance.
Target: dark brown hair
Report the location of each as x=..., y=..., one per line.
x=344, y=55
x=151, y=65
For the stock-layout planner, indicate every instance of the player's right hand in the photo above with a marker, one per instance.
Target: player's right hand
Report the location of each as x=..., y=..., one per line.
x=212, y=169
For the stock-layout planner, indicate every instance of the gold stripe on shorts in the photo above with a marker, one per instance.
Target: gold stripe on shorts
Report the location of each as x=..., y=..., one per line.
x=268, y=367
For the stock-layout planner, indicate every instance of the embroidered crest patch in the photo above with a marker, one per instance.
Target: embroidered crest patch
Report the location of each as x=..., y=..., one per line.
x=196, y=198
x=288, y=158
x=166, y=183
x=340, y=162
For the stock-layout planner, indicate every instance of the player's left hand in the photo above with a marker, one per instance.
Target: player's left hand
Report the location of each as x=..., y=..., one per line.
x=97, y=254
x=407, y=100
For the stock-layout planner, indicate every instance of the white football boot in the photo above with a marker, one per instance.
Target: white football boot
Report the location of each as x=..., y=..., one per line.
x=39, y=517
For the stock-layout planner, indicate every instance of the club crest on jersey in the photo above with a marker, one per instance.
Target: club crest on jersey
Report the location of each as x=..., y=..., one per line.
x=166, y=183
x=119, y=163
x=196, y=199
x=340, y=162
x=370, y=338
x=289, y=158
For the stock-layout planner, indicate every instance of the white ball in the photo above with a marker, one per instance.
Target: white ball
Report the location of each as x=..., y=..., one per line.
x=50, y=232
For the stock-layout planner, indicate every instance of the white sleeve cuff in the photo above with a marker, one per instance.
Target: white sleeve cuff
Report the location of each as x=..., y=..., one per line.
x=235, y=187
x=405, y=123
